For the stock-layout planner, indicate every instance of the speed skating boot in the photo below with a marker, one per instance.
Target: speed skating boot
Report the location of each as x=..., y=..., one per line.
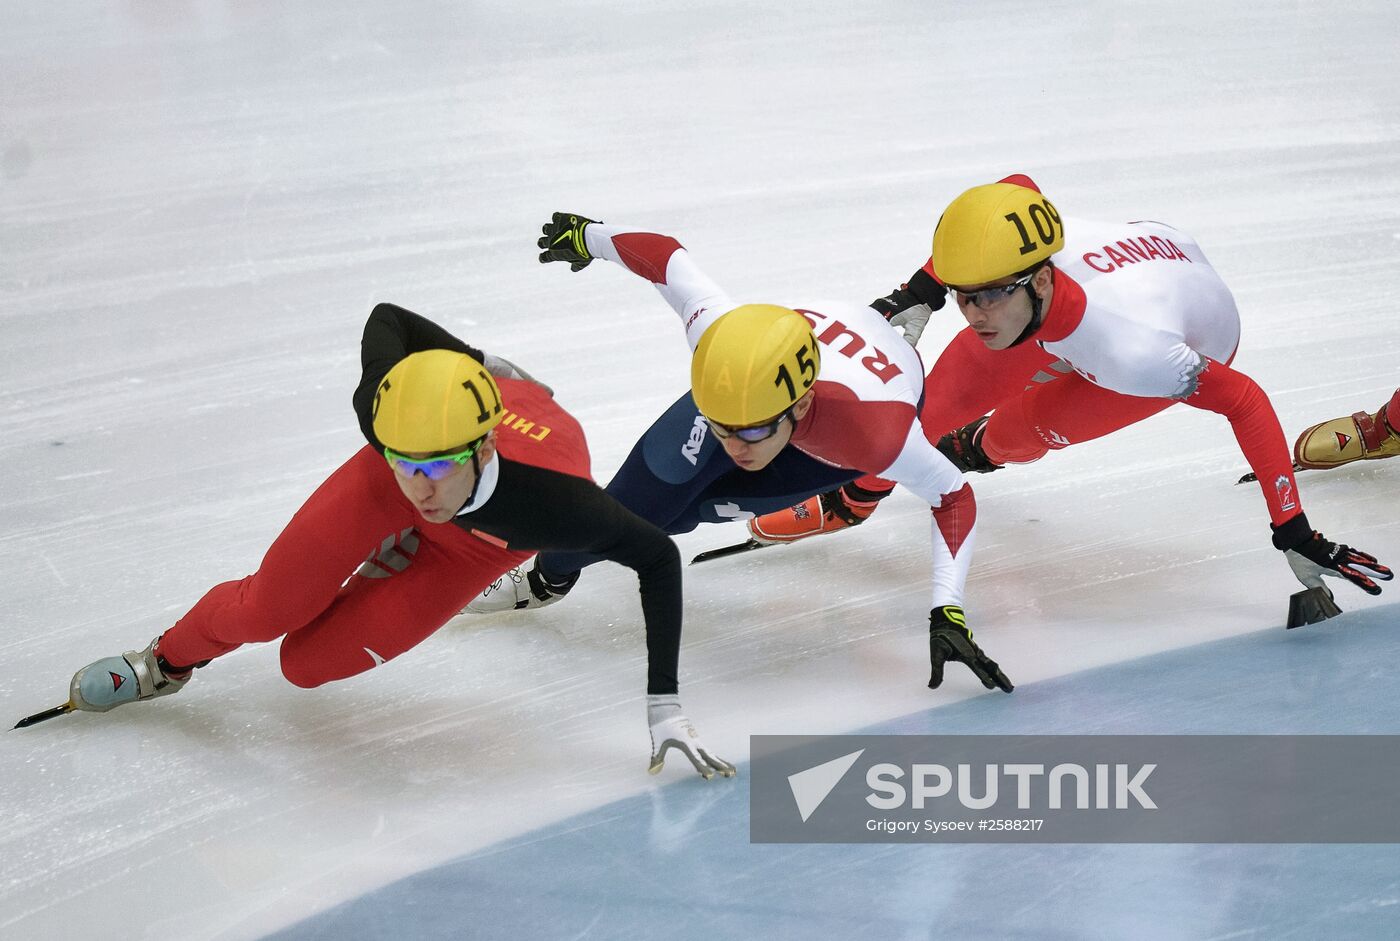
x=116, y=681
x=1361, y=437
x=825, y=513
x=518, y=590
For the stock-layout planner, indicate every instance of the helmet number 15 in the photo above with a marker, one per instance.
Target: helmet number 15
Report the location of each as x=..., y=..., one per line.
x=1044, y=219
x=807, y=370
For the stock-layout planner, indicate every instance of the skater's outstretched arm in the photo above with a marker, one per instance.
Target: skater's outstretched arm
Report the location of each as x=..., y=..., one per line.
x=660, y=259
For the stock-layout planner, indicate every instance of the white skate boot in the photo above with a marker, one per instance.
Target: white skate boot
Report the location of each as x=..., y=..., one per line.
x=518, y=590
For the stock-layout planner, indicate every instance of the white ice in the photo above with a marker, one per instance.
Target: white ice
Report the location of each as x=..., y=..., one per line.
x=200, y=201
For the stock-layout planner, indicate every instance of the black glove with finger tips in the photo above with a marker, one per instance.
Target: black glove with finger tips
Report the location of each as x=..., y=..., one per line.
x=1311, y=555
x=921, y=288
x=949, y=639
x=563, y=240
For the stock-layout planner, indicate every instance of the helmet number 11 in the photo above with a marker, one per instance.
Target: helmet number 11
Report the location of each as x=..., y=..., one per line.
x=494, y=408
x=807, y=368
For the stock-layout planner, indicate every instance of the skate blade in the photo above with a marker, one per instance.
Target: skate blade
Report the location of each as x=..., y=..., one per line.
x=1297, y=468
x=44, y=716
x=735, y=549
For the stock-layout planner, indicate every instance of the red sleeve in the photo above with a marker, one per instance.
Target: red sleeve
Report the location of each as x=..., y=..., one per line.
x=1237, y=397
x=646, y=254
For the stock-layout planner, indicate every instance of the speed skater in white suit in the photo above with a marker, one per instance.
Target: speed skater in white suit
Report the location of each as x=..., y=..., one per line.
x=1076, y=329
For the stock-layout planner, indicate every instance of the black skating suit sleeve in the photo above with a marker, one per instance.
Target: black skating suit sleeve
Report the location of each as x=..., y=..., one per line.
x=543, y=510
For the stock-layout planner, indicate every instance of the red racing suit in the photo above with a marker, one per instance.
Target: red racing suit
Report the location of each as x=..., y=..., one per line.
x=358, y=577
x=1138, y=321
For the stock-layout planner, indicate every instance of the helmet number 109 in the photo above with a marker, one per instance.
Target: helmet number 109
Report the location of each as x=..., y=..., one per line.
x=1044, y=219
x=807, y=369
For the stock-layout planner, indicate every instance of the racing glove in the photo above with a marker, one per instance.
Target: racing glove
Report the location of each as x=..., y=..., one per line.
x=949, y=639
x=671, y=729
x=501, y=367
x=909, y=306
x=1311, y=555
x=563, y=241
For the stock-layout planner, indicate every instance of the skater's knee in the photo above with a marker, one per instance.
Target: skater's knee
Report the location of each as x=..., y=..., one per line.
x=309, y=661
x=1012, y=437
x=304, y=668
x=298, y=675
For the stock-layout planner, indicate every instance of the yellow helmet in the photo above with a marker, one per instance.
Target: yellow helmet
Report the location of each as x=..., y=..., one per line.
x=995, y=231
x=436, y=400
x=752, y=363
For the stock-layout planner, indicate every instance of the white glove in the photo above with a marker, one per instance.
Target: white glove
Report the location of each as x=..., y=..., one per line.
x=912, y=320
x=500, y=366
x=910, y=305
x=671, y=729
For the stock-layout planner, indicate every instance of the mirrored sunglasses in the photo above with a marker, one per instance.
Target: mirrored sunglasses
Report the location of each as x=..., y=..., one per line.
x=434, y=468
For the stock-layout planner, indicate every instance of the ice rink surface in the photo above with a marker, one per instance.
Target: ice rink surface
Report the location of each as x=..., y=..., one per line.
x=199, y=203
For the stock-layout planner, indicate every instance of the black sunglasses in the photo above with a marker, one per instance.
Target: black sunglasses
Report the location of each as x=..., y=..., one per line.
x=989, y=297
